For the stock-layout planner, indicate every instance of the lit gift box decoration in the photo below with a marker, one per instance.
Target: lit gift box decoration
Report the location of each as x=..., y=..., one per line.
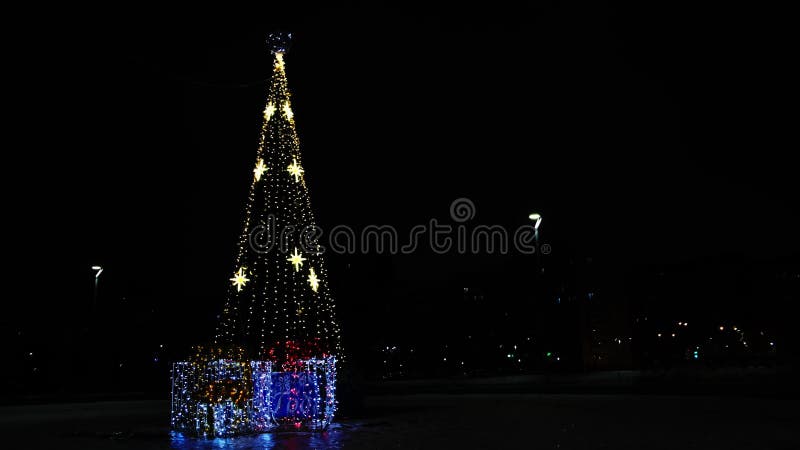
x=303, y=397
x=228, y=397
x=217, y=397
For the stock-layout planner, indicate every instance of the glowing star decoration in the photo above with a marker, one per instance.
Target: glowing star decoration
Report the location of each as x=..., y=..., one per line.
x=269, y=111
x=279, y=60
x=295, y=170
x=260, y=169
x=313, y=281
x=296, y=259
x=288, y=110
x=239, y=279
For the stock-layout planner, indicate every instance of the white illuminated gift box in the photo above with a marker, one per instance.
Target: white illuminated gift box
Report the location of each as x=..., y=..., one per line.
x=229, y=398
x=222, y=397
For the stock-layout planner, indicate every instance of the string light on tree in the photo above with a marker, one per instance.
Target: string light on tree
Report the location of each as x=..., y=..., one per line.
x=239, y=279
x=260, y=169
x=279, y=60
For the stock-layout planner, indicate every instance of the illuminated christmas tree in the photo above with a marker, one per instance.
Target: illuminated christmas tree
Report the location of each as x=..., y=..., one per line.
x=273, y=360
x=279, y=306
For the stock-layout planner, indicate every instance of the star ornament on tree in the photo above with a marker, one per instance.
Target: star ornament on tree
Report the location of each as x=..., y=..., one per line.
x=260, y=169
x=239, y=279
x=269, y=111
x=288, y=110
x=296, y=170
x=313, y=281
x=296, y=259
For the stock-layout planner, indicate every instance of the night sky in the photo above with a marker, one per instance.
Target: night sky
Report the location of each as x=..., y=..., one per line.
x=644, y=135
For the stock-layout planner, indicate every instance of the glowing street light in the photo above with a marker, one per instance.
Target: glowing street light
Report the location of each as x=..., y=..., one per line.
x=538, y=218
x=98, y=270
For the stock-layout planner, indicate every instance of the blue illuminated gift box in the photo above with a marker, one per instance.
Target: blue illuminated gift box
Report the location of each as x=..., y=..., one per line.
x=303, y=394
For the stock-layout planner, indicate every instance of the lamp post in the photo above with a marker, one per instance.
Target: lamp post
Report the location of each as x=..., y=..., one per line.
x=537, y=219
x=538, y=307
x=97, y=271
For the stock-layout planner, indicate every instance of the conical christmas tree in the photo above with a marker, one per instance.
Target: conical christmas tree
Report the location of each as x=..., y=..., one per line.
x=273, y=363
x=279, y=306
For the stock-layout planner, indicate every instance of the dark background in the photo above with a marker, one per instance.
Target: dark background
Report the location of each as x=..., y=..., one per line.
x=652, y=138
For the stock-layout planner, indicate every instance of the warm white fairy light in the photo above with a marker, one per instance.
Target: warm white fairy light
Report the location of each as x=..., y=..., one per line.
x=279, y=60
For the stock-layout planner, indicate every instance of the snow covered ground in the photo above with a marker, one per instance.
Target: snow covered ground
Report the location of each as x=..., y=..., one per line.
x=485, y=421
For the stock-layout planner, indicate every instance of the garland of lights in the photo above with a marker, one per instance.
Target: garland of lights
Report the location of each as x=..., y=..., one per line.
x=273, y=362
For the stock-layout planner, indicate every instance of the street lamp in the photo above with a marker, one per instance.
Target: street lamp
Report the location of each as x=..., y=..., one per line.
x=539, y=290
x=537, y=221
x=537, y=218
x=98, y=270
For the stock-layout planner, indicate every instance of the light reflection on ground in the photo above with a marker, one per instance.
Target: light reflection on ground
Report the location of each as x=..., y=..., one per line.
x=332, y=438
x=430, y=421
